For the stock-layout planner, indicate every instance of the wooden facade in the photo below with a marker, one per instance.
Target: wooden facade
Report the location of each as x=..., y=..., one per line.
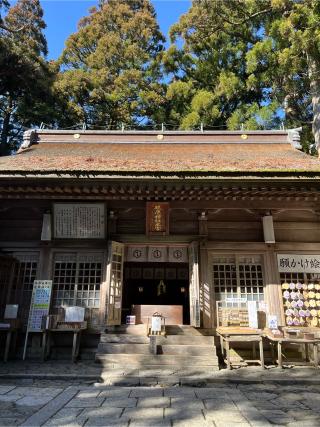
x=215, y=217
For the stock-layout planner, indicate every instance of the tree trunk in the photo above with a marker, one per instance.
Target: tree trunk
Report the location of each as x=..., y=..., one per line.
x=5, y=130
x=313, y=71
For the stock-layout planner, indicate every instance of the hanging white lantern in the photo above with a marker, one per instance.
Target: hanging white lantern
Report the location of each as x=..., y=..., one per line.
x=46, y=227
x=268, y=229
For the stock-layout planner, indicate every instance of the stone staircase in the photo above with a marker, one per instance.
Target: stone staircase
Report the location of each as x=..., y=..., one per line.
x=184, y=355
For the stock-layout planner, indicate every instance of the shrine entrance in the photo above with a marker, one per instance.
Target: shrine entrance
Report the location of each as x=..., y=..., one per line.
x=152, y=277
x=150, y=287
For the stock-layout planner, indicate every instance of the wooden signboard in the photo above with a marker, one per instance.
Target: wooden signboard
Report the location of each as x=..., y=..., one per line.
x=79, y=221
x=292, y=263
x=157, y=217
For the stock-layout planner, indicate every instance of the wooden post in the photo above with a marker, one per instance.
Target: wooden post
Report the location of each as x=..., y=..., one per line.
x=153, y=344
x=44, y=345
x=7, y=348
x=74, y=346
x=228, y=353
x=261, y=352
x=315, y=355
x=280, y=354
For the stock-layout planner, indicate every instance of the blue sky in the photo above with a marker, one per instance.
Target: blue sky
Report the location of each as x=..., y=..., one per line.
x=62, y=16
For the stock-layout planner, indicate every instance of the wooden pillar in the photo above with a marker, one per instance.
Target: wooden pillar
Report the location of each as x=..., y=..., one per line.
x=45, y=263
x=272, y=288
x=205, y=287
x=206, y=296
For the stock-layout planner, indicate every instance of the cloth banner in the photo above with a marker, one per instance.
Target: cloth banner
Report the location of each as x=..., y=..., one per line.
x=157, y=254
x=137, y=254
x=178, y=254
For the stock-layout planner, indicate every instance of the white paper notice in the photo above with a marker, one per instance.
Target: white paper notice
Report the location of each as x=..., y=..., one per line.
x=11, y=311
x=156, y=324
x=74, y=314
x=253, y=315
x=272, y=321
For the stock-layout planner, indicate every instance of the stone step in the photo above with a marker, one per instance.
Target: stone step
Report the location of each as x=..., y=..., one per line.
x=196, y=340
x=188, y=350
x=64, y=353
x=116, y=348
x=191, y=350
x=143, y=360
x=162, y=381
x=127, y=329
x=170, y=330
x=158, y=371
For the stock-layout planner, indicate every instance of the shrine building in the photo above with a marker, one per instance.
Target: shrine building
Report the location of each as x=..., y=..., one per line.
x=123, y=220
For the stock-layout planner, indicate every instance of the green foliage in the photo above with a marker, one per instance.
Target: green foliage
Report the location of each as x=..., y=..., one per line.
x=25, y=76
x=234, y=64
x=250, y=60
x=110, y=73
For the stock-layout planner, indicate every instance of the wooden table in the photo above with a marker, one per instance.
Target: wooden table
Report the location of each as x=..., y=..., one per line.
x=229, y=335
x=46, y=341
x=9, y=332
x=280, y=341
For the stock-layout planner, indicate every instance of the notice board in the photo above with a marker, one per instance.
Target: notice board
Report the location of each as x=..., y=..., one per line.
x=39, y=307
x=79, y=220
x=40, y=304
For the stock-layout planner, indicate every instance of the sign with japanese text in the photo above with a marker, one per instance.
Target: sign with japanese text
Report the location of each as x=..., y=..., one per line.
x=157, y=218
x=79, y=221
x=298, y=263
x=40, y=304
x=253, y=314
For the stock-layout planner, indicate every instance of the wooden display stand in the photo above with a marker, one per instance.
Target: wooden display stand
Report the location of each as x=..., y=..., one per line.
x=278, y=343
x=233, y=327
x=300, y=306
x=63, y=327
x=11, y=331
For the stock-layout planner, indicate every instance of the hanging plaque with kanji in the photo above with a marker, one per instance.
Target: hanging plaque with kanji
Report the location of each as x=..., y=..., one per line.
x=157, y=218
x=79, y=221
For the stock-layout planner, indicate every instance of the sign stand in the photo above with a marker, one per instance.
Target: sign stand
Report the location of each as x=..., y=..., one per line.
x=39, y=307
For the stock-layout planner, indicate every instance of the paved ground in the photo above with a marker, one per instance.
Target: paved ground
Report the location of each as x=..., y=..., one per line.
x=92, y=372
x=221, y=405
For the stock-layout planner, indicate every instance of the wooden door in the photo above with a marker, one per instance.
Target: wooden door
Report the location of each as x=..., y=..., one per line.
x=194, y=284
x=114, y=283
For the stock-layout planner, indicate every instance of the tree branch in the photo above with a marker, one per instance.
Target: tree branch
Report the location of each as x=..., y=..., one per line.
x=11, y=30
x=248, y=18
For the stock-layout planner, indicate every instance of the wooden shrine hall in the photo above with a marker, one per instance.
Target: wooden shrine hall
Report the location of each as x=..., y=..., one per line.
x=135, y=222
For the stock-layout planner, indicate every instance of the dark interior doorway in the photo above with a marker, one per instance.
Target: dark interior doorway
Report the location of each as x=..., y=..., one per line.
x=156, y=284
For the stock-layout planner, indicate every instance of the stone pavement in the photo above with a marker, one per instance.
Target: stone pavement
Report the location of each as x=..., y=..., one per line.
x=220, y=405
x=90, y=372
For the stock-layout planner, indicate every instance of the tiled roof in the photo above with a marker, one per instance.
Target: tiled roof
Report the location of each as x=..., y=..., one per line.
x=156, y=157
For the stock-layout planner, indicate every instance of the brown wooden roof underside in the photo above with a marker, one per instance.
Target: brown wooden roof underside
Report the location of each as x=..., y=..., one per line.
x=154, y=159
x=161, y=191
